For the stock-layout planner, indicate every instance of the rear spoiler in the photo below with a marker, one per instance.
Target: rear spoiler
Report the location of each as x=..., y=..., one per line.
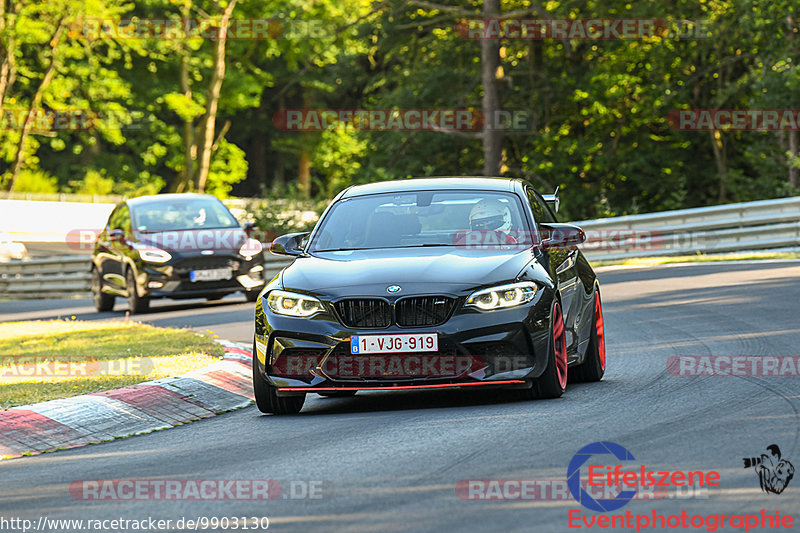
x=552, y=199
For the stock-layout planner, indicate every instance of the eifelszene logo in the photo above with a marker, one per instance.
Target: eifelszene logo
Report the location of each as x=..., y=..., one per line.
x=774, y=473
x=625, y=480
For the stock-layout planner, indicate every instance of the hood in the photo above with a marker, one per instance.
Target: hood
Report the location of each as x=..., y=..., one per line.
x=416, y=271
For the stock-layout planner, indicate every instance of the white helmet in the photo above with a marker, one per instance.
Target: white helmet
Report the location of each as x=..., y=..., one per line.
x=490, y=214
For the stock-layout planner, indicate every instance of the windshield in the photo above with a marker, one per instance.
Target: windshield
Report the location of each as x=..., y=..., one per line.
x=182, y=214
x=414, y=219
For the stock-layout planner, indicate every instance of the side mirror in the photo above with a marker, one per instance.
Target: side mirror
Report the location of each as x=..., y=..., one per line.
x=248, y=227
x=556, y=236
x=288, y=244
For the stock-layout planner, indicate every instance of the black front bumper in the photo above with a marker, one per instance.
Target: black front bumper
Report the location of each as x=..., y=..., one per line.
x=172, y=280
x=502, y=347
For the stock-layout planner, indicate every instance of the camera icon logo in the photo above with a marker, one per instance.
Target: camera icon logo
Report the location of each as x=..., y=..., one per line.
x=774, y=472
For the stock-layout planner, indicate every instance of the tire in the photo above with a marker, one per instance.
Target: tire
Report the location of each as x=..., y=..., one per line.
x=553, y=381
x=252, y=296
x=136, y=303
x=267, y=399
x=338, y=394
x=594, y=364
x=102, y=302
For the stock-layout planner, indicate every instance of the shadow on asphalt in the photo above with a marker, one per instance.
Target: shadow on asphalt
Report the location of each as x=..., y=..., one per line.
x=120, y=309
x=388, y=401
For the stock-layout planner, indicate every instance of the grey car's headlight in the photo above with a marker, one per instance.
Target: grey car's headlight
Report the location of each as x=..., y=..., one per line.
x=250, y=248
x=503, y=296
x=151, y=254
x=293, y=304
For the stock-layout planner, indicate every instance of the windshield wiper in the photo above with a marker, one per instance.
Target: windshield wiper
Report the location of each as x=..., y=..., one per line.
x=339, y=250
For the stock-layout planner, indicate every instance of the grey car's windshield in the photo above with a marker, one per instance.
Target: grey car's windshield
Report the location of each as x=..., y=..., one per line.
x=183, y=214
x=417, y=219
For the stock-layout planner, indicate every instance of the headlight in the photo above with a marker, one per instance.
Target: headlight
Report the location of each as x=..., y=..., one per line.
x=250, y=248
x=293, y=304
x=151, y=254
x=503, y=296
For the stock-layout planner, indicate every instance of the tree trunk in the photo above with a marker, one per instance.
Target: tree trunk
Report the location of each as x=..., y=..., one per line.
x=8, y=68
x=212, y=101
x=37, y=100
x=722, y=165
x=304, y=174
x=793, y=170
x=490, y=104
x=185, y=180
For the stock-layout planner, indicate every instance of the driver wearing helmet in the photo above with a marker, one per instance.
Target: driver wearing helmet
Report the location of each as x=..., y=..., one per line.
x=490, y=215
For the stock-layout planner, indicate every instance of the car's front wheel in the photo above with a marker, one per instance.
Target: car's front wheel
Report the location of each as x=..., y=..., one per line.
x=267, y=399
x=553, y=381
x=136, y=303
x=102, y=301
x=594, y=364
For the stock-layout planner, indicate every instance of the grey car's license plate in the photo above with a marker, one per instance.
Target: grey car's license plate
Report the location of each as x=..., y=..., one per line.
x=213, y=274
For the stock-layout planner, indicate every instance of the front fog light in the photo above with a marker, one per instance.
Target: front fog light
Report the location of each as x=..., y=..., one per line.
x=503, y=297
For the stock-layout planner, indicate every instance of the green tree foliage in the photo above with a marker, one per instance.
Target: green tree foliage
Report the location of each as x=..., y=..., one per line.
x=595, y=111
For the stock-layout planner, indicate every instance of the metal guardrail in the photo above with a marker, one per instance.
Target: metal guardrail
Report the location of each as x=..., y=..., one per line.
x=749, y=226
x=67, y=277
x=768, y=224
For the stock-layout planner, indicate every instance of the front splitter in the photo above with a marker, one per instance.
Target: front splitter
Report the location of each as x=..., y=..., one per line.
x=402, y=387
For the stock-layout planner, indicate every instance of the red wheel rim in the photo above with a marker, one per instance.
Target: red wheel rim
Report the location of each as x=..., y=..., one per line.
x=601, y=339
x=560, y=346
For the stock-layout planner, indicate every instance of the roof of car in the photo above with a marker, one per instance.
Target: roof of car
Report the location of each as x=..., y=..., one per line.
x=445, y=182
x=165, y=198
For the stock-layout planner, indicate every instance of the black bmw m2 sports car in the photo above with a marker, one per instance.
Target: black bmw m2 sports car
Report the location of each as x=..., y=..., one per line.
x=429, y=283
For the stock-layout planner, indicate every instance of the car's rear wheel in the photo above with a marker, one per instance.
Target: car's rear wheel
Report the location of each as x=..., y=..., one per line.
x=338, y=393
x=136, y=303
x=267, y=399
x=594, y=364
x=102, y=301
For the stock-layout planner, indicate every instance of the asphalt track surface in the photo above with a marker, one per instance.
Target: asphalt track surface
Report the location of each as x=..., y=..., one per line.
x=391, y=461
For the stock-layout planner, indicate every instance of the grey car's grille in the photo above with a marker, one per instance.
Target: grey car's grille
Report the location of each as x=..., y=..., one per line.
x=423, y=310
x=364, y=313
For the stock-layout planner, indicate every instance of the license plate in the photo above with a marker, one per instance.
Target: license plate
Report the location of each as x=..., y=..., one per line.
x=214, y=274
x=418, y=342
